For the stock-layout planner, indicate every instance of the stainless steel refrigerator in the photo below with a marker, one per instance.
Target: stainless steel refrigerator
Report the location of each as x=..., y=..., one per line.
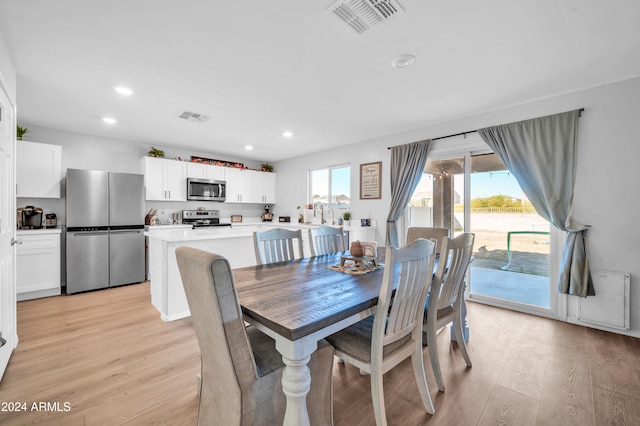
x=105, y=229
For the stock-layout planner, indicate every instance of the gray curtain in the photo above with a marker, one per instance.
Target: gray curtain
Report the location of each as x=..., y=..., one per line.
x=407, y=165
x=541, y=154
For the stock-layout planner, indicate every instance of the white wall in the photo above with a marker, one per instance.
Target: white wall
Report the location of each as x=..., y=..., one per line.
x=7, y=70
x=606, y=181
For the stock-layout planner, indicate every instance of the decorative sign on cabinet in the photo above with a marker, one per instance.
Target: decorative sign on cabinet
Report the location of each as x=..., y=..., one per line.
x=38, y=170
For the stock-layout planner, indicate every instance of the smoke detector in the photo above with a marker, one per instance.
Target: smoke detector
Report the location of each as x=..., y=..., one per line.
x=362, y=15
x=192, y=116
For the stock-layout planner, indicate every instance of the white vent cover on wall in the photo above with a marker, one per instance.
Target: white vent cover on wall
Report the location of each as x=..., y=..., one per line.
x=611, y=305
x=361, y=15
x=192, y=116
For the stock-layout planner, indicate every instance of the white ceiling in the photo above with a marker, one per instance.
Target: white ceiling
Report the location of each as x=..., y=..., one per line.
x=259, y=67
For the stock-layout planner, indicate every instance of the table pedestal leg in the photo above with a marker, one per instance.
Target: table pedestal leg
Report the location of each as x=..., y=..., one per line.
x=296, y=382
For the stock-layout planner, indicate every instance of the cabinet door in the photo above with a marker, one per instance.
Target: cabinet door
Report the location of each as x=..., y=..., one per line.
x=175, y=180
x=269, y=187
x=239, y=185
x=38, y=169
x=232, y=185
x=264, y=187
x=153, y=178
x=38, y=263
x=216, y=172
x=205, y=171
x=245, y=186
x=197, y=170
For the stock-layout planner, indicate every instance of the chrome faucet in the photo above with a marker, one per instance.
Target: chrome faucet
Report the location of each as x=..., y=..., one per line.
x=333, y=216
x=322, y=221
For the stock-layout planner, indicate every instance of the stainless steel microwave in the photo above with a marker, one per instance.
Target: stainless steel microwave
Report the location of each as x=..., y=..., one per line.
x=206, y=189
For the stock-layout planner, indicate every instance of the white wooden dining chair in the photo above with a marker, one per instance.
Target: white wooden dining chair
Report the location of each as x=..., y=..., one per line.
x=379, y=343
x=446, y=298
x=277, y=245
x=326, y=240
x=438, y=234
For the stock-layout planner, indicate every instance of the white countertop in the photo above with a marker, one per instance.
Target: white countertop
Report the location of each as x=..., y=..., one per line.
x=181, y=235
x=38, y=231
x=236, y=230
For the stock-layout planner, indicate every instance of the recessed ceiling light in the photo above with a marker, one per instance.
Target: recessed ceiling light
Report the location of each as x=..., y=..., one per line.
x=123, y=90
x=110, y=120
x=403, y=61
x=248, y=147
x=287, y=134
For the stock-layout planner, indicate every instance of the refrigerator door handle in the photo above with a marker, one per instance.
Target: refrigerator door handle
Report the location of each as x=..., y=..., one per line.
x=88, y=234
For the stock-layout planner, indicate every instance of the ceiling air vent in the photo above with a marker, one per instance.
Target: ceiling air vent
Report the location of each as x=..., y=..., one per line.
x=361, y=15
x=192, y=116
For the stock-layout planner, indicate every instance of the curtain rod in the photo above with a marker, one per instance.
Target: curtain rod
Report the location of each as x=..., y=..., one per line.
x=473, y=131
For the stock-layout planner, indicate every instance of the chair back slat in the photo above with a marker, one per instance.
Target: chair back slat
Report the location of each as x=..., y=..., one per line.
x=277, y=245
x=408, y=271
x=454, y=261
x=326, y=240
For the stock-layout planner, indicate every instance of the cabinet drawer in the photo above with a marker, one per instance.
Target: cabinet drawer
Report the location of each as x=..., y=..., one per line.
x=38, y=241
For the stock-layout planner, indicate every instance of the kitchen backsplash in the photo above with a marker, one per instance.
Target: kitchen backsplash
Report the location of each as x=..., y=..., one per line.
x=165, y=208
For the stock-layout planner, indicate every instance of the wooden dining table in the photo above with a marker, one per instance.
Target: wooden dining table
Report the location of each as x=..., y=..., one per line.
x=298, y=303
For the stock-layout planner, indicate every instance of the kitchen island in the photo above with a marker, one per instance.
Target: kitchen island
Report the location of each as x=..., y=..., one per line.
x=235, y=243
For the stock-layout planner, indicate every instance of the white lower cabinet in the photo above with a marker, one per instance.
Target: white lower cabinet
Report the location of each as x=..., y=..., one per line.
x=38, y=264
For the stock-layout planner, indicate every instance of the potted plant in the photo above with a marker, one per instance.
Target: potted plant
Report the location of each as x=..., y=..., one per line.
x=266, y=167
x=346, y=216
x=154, y=152
x=20, y=132
x=300, y=215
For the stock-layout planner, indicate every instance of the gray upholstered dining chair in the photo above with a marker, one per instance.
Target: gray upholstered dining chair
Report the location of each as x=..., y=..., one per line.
x=277, y=245
x=326, y=240
x=438, y=234
x=379, y=343
x=446, y=298
x=241, y=371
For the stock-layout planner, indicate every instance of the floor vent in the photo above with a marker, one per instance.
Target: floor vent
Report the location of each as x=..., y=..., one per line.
x=192, y=116
x=362, y=15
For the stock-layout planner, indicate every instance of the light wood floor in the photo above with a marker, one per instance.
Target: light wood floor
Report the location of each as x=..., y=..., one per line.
x=110, y=357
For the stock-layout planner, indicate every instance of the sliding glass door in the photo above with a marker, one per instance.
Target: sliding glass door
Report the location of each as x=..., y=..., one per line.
x=472, y=191
x=512, y=245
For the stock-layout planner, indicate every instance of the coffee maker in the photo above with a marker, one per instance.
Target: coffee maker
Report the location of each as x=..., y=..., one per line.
x=29, y=217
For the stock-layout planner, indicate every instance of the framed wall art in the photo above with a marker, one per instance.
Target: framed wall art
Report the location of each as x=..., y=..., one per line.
x=370, y=183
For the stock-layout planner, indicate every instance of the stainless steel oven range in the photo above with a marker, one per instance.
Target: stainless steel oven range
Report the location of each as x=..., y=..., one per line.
x=202, y=218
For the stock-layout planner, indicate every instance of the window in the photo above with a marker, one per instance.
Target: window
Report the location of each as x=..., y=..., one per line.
x=331, y=187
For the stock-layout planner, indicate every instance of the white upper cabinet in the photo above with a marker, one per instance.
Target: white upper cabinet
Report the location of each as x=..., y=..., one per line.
x=264, y=187
x=38, y=170
x=239, y=185
x=164, y=180
x=205, y=171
